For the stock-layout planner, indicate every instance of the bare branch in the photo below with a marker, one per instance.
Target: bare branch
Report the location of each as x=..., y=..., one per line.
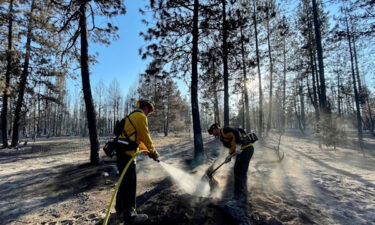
x=92, y=17
x=71, y=43
x=68, y=21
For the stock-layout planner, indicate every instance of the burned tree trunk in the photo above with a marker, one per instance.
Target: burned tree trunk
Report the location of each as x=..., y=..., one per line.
x=313, y=75
x=356, y=95
x=302, y=103
x=296, y=109
x=260, y=120
x=23, y=81
x=271, y=74
x=284, y=85
x=225, y=64
x=4, y=111
x=216, y=98
x=338, y=94
x=245, y=91
x=198, y=141
x=86, y=88
x=319, y=48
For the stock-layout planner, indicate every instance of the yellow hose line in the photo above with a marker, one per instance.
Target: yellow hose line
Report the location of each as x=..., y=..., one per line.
x=118, y=185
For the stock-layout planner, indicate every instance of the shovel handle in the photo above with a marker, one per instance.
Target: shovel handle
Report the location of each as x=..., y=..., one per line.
x=213, y=171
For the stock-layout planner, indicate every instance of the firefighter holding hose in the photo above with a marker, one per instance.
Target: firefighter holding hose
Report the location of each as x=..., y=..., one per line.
x=134, y=135
x=240, y=144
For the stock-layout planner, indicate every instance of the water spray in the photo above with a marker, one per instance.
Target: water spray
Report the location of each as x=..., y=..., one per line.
x=187, y=182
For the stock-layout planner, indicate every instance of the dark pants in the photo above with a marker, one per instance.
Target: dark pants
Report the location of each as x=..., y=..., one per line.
x=125, y=199
x=240, y=173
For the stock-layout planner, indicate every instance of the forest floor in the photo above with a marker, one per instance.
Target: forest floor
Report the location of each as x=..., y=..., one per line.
x=51, y=182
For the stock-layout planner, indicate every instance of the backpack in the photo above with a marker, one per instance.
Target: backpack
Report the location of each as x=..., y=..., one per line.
x=119, y=127
x=247, y=138
x=110, y=148
x=120, y=145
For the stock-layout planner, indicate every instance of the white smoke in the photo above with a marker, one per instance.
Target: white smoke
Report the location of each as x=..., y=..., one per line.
x=187, y=182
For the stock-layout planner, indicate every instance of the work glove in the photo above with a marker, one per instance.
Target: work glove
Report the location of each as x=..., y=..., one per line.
x=154, y=155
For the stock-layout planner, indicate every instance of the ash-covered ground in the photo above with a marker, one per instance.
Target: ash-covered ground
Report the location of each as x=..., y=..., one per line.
x=51, y=182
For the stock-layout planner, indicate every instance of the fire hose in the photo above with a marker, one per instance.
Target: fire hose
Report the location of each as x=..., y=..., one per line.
x=118, y=186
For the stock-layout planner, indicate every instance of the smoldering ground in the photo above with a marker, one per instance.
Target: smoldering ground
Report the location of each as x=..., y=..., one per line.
x=188, y=183
x=313, y=185
x=310, y=186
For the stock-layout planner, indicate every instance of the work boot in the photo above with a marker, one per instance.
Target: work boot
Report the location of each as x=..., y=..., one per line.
x=137, y=219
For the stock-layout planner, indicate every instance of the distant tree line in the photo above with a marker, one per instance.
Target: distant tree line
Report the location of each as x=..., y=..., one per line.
x=260, y=65
x=171, y=110
x=42, y=42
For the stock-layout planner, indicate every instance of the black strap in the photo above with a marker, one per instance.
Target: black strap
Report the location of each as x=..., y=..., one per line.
x=135, y=130
x=239, y=134
x=235, y=132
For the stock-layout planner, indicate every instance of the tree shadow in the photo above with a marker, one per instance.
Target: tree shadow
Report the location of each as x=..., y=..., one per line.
x=40, y=151
x=46, y=187
x=340, y=171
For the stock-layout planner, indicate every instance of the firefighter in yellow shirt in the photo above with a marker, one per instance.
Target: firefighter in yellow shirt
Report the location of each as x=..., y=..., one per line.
x=137, y=135
x=241, y=143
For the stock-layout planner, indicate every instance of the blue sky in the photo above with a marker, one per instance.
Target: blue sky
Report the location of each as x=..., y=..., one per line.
x=120, y=60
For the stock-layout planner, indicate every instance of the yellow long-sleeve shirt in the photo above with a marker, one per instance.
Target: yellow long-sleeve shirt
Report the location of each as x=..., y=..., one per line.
x=230, y=138
x=141, y=132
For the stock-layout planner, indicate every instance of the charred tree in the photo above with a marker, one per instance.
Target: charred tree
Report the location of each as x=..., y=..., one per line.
x=225, y=64
x=4, y=110
x=271, y=67
x=313, y=70
x=198, y=141
x=86, y=87
x=284, y=85
x=23, y=80
x=356, y=94
x=319, y=48
x=260, y=120
x=245, y=91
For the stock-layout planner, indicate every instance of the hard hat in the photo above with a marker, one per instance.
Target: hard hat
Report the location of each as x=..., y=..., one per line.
x=144, y=102
x=212, y=127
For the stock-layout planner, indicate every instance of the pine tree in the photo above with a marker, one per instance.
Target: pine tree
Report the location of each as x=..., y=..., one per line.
x=270, y=12
x=24, y=75
x=177, y=34
x=74, y=15
x=9, y=53
x=225, y=62
x=313, y=25
x=41, y=53
x=364, y=15
x=255, y=23
x=319, y=48
x=211, y=79
x=159, y=87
